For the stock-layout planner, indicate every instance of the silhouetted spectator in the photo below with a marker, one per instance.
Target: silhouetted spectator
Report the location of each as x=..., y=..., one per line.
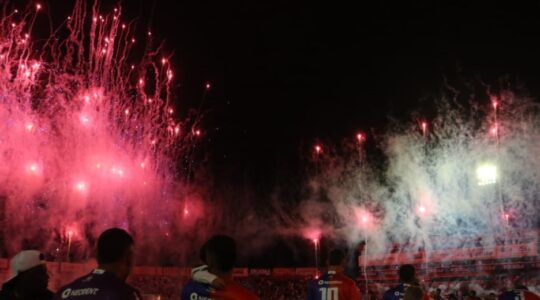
x=115, y=262
x=334, y=284
x=29, y=278
x=220, y=255
x=519, y=292
x=407, y=278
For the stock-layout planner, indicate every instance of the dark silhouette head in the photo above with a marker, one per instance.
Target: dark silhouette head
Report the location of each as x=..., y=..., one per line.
x=407, y=274
x=336, y=258
x=220, y=253
x=115, y=252
x=29, y=273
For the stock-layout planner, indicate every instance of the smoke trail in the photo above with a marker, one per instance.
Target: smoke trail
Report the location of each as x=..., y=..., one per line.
x=471, y=179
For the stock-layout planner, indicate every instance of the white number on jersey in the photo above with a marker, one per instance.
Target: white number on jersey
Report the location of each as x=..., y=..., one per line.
x=329, y=293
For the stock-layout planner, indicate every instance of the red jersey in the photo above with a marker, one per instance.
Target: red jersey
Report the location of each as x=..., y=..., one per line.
x=233, y=291
x=333, y=286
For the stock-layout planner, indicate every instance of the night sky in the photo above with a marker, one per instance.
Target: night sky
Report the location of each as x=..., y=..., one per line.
x=286, y=74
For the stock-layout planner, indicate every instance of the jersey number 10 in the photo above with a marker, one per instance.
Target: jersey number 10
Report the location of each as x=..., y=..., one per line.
x=329, y=293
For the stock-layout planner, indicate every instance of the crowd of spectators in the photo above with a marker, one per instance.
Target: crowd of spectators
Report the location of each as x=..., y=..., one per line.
x=266, y=287
x=278, y=288
x=295, y=287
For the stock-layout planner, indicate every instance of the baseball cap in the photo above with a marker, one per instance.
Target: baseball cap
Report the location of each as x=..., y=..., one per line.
x=25, y=260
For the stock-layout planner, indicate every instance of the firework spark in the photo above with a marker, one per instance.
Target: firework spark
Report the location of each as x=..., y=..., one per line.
x=93, y=123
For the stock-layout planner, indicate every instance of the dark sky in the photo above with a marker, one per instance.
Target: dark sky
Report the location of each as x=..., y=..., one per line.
x=286, y=73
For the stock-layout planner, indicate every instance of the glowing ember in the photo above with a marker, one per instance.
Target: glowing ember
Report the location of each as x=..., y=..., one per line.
x=81, y=186
x=424, y=127
x=494, y=130
x=85, y=119
x=33, y=168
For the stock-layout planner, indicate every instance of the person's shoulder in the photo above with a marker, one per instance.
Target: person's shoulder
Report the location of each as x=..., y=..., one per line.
x=76, y=282
x=393, y=291
x=507, y=295
x=130, y=291
x=314, y=282
x=346, y=279
x=97, y=283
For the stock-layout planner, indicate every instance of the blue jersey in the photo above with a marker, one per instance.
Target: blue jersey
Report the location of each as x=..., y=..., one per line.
x=333, y=286
x=396, y=293
x=518, y=295
x=196, y=291
x=202, y=291
x=98, y=285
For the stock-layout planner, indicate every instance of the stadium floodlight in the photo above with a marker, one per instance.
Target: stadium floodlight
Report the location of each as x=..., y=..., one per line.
x=486, y=174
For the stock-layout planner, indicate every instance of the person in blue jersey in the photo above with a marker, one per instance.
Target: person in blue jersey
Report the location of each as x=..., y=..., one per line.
x=520, y=292
x=115, y=255
x=334, y=284
x=201, y=273
x=407, y=278
x=220, y=256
